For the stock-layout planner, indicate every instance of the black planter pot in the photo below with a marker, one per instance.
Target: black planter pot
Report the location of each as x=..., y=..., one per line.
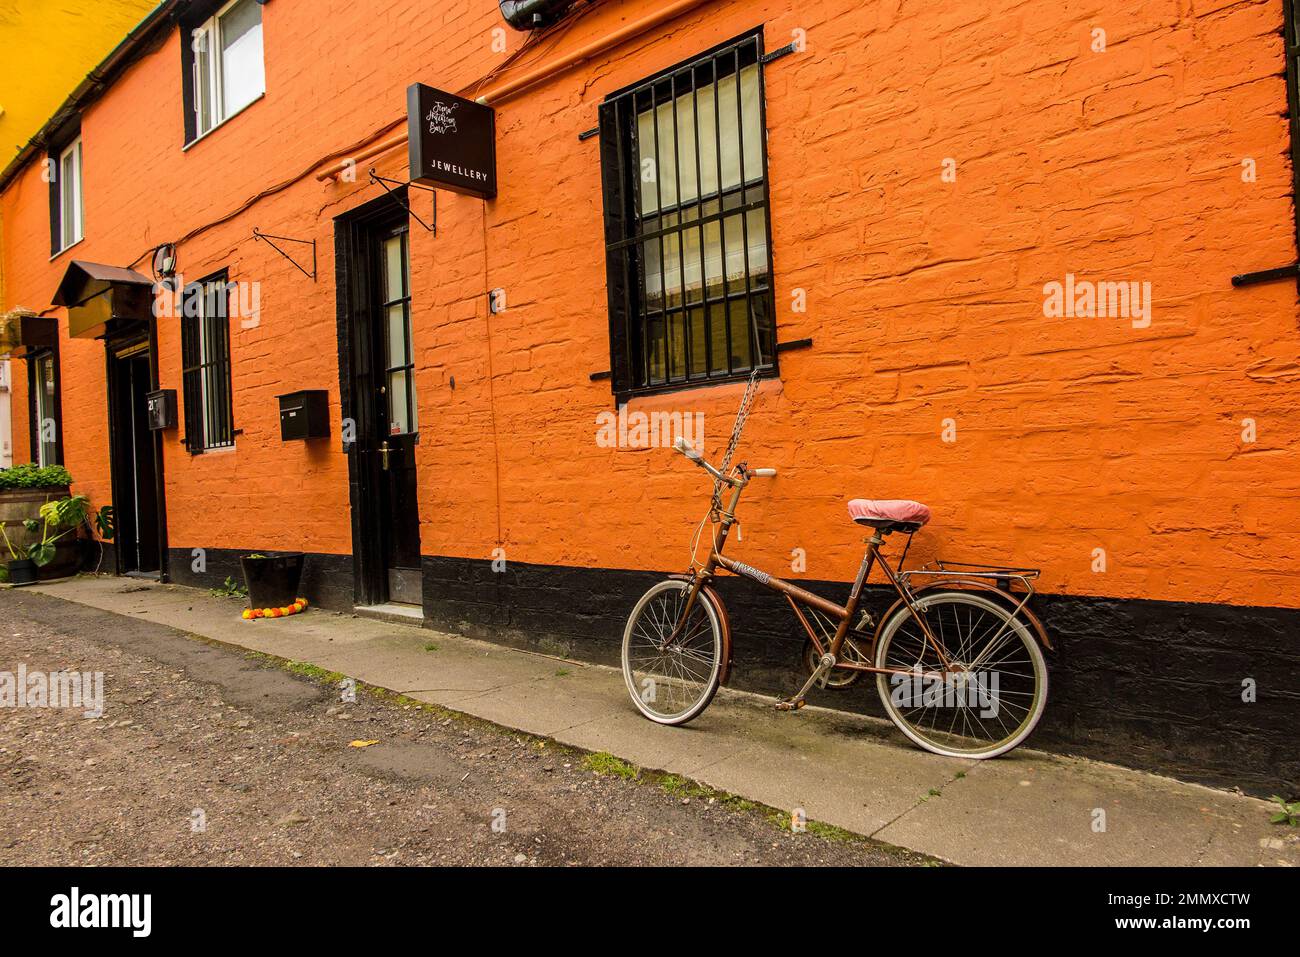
x=22, y=572
x=272, y=581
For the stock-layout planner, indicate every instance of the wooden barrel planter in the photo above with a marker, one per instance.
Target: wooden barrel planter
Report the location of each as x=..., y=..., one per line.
x=19, y=504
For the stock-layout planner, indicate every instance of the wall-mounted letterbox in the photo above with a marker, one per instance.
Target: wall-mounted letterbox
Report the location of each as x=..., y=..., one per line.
x=304, y=415
x=160, y=407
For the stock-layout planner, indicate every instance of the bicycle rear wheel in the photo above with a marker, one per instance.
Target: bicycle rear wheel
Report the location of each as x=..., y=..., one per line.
x=672, y=682
x=994, y=692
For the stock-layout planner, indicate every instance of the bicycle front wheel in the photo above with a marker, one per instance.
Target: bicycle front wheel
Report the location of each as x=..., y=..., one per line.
x=990, y=696
x=672, y=681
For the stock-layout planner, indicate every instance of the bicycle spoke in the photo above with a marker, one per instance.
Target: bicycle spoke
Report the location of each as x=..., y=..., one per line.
x=992, y=690
x=669, y=679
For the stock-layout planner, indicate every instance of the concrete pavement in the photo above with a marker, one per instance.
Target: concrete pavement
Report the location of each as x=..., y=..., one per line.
x=859, y=773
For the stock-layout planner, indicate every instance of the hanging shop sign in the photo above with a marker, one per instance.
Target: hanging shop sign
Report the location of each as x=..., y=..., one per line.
x=452, y=142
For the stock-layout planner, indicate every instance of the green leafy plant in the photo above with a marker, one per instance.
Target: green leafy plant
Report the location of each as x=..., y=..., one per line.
x=1289, y=813
x=105, y=523
x=230, y=589
x=65, y=513
x=30, y=475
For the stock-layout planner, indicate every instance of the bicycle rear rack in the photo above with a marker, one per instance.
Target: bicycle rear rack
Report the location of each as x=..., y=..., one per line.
x=1004, y=577
x=1017, y=584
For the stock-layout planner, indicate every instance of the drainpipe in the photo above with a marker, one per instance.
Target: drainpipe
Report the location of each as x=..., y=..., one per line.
x=512, y=87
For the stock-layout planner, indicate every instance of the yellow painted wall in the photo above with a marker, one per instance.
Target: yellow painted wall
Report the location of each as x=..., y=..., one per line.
x=46, y=48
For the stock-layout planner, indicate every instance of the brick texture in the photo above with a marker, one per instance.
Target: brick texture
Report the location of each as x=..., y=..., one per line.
x=925, y=297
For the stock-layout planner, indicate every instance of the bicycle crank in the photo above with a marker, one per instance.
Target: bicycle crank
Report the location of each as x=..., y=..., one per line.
x=818, y=677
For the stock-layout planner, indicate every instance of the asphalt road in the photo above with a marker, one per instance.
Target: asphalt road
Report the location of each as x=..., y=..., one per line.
x=205, y=755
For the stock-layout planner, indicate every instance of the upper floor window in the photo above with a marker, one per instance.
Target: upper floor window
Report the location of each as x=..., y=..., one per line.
x=224, y=65
x=205, y=364
x=684, y=162
x=66, y=205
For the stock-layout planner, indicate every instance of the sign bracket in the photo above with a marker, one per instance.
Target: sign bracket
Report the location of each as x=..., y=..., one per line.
x=384, y=181
x=268, y=239
x=1267, y=275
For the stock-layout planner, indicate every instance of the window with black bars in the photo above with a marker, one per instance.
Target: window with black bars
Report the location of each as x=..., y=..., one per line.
x=205, y=355
x=684, y=163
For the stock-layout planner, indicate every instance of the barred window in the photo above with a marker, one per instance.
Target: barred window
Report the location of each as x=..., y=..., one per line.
x=684, y=162
x=205, y=356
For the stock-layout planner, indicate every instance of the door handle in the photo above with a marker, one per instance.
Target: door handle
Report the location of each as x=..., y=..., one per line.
x=384, y=450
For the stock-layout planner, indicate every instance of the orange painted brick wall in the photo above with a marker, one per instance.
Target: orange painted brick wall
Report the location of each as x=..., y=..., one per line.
x=924, y=297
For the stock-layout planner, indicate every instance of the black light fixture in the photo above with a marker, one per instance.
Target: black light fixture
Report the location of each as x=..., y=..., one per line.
x=164, y=266
x=534, y=14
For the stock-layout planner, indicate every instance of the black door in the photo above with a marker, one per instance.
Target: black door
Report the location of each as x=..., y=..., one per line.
x=377, y=367
x=136, y=486
x=396, y=424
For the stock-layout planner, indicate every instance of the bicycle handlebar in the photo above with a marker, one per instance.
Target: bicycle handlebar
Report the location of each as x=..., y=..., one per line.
x=692, y=453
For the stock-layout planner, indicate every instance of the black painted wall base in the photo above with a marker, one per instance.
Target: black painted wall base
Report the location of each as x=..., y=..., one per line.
x=326, y=579
x=1146, y=684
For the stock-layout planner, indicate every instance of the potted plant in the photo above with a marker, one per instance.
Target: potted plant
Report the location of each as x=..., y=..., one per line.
x=58, y=519
x=23, y=490
x=272, y=580
x=19, y=570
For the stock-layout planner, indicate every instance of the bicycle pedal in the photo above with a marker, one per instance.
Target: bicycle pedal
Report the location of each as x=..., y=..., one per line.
x=789, y=705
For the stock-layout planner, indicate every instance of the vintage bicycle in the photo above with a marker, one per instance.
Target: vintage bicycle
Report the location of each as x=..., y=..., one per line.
x=957, y=657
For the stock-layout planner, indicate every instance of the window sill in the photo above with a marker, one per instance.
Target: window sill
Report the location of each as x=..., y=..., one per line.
x=693, y=385
x=66, y=248
x=203, y=136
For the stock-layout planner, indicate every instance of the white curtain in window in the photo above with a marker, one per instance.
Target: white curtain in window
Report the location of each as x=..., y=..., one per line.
x=681, y=252
x=70, y=202
x=700, y=258
x=242, y=75
x=660, y=188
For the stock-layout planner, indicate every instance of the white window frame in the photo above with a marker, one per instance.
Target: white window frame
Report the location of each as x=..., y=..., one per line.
x=209, y=32
x=75, y=216
x=45, y=409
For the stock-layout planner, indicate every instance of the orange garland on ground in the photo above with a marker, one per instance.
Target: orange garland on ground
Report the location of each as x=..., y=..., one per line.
x=252, y=613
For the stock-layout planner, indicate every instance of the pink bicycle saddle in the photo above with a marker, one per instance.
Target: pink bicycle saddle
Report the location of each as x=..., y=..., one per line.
x=889, y=514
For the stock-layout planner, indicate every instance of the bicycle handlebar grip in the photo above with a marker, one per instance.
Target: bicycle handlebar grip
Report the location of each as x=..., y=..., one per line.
x=688, y=450
x=765, y=473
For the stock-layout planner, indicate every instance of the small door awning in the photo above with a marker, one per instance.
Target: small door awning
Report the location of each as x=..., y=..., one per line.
x=23, y=332
x=99, y=296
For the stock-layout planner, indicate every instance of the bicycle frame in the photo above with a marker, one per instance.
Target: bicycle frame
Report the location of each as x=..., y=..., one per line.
x=797, y=596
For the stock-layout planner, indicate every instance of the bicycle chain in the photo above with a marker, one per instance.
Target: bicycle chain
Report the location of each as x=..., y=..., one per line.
x=746, y=403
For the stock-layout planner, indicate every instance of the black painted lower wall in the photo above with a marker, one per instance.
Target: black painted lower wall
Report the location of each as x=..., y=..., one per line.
x=326, y=579
x=1146, y=684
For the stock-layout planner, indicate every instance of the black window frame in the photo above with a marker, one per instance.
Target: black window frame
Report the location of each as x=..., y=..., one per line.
x=202, y=422
x=629, y=315
x=33, y=360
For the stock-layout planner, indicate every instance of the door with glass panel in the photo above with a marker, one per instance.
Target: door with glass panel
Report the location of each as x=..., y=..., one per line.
x=396, y=426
